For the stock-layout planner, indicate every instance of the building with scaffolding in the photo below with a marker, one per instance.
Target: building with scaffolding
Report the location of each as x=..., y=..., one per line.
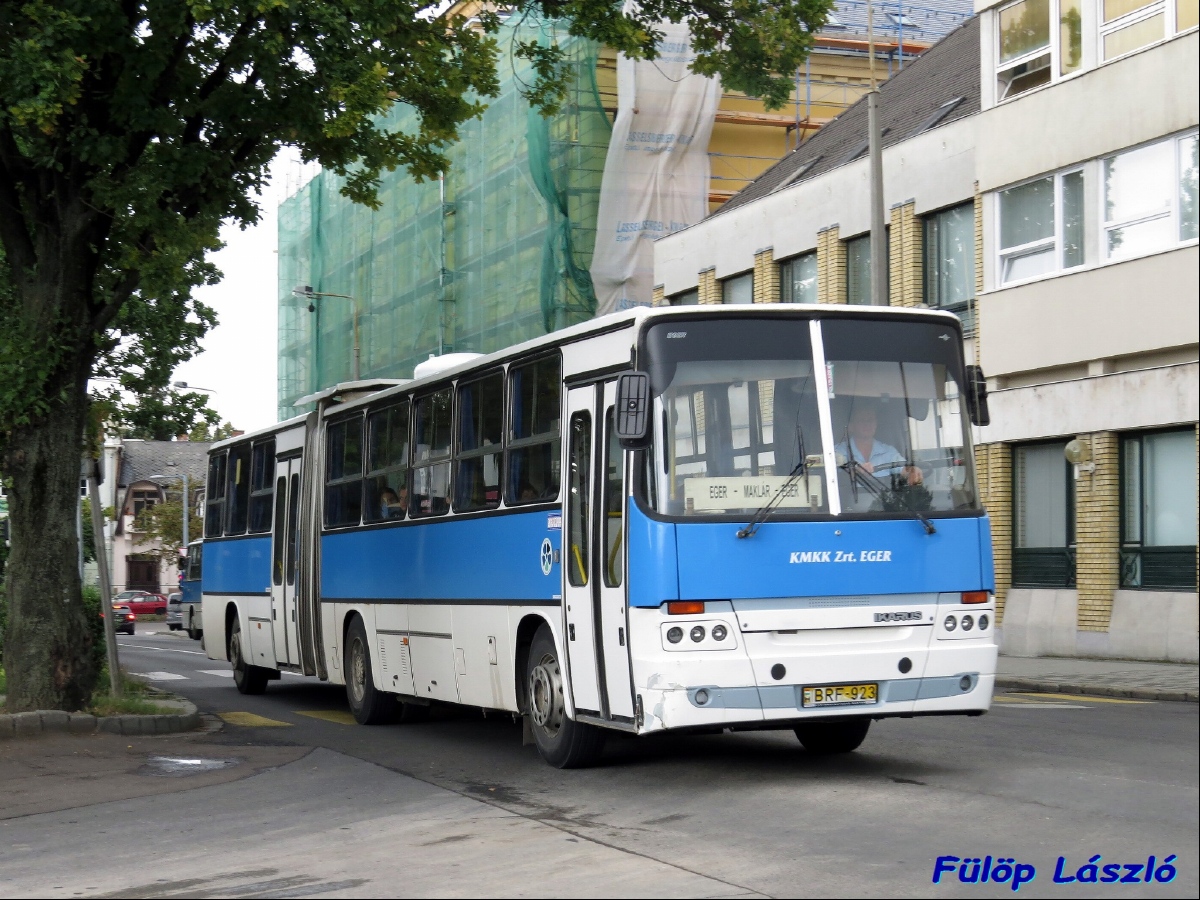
x=499, y=249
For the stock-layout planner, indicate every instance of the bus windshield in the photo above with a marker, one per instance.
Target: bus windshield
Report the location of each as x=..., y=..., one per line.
x=739, y=418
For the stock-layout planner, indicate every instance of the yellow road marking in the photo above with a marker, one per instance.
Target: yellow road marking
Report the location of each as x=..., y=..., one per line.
x=1078, y=698
x=250, y=720
x=338, y=716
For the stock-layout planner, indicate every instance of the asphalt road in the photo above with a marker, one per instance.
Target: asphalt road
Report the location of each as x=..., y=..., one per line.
x=1039, y=777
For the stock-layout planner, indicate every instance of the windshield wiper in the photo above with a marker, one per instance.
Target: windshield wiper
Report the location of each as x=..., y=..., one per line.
x=857, y=474
x=766, y=510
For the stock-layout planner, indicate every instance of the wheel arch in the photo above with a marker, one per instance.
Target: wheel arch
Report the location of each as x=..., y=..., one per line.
x=231, y=613
x=526, y=629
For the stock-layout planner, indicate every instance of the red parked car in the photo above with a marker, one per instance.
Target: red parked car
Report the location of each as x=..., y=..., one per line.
x=143, y=603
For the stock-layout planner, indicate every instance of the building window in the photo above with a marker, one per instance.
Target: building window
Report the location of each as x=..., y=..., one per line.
x=1150, y=198
x=739, y=289
x=1025, y=53
x=1041, y=227
x=1043, y=517
x=798, y=279
x=686, y=298
x=858, y=271
x=949, y=246
x=142, y=500
x=1158, y=510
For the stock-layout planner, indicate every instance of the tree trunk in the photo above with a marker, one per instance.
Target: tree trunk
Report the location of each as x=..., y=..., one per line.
x=48, y=656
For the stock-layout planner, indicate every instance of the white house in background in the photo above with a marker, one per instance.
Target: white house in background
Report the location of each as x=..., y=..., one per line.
x=129, y=487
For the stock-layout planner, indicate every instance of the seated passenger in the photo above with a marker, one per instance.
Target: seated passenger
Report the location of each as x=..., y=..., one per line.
x=868, y=454
x=390, y=505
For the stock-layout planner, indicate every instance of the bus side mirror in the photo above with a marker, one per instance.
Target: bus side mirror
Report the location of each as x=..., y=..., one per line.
x=633, y=409
x=977, y=403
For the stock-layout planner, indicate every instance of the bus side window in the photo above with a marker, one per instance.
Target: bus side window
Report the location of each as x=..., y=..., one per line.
x=214, y=510
x=238, y=493
x=387, y=463
x=262, y=471
x=534, y=432
x=480, y=444
x=614, y=490
x=344, y=473
x=431, y=459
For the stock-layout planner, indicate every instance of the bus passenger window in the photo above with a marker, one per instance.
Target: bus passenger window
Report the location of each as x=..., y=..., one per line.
x=262, y=470
x=343, y=480
x=238, y=493
x=534, y=433
x=214, y=509
x=577, y=498
x=431, y=459
x=193, y=562
x=387, y=464
x=480, y=436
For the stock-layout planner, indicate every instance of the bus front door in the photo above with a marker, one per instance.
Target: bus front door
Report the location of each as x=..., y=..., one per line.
x=593, y=553
x=284, y=561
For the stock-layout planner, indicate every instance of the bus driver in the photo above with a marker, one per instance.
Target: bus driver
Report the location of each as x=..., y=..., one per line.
x=869, y=454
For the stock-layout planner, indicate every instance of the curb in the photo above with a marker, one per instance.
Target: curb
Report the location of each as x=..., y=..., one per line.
x=1095, y=690
x=55, y=721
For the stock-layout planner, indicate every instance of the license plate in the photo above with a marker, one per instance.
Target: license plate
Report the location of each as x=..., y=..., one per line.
x=841, y=695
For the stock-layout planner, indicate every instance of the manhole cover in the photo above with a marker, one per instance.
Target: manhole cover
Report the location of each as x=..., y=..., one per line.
x=179, y=766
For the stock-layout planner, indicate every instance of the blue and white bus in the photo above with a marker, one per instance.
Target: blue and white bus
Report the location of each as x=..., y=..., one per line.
x=670, y=518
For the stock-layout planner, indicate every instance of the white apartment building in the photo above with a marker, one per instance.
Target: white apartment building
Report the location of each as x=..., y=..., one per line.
x=1041, y=175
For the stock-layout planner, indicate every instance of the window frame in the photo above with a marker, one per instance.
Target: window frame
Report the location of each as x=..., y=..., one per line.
x=263, y=497
x=682, y=298
x=482, y=451
x=1055, y=242
x=746, y=277
x=232, y=489
x=431, y=462
x=1051, y=49
x=214, y=498
x=1133, y=551
x=1172, y=212
x=787, y=282
x=514, y=445
x=1024, y=556
x=962, y=308
x=370, y=473
x=343, y=480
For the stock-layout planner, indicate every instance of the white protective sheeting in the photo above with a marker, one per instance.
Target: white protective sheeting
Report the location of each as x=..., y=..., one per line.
x=656, y=174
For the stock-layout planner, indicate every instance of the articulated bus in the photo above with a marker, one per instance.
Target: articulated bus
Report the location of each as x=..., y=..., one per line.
x=683, y=518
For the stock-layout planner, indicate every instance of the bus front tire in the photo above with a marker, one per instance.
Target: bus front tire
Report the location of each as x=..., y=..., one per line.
x=828, y=738
x=562, y=742
x=249, y=679
x=192, y=631
x=369, y=705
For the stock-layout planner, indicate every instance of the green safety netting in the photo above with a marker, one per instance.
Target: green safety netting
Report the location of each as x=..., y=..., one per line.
x=495, y=253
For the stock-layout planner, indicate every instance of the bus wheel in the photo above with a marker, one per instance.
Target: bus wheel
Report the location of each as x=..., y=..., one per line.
x=192, y=631
x=249, y=679
x=563, y=743
x=826, y=738
x=369, y=706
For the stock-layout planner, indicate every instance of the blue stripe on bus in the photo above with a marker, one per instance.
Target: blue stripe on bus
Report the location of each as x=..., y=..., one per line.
x=654, y=573
x=986, y=563
x=488, y=558
x=240, y=566
x=805, y=559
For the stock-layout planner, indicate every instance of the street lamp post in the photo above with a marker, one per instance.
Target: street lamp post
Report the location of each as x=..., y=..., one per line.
x=306, y=291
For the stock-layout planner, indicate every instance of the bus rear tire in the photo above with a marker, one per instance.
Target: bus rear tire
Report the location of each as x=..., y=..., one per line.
x=828, y=738
x=562, y=742
x=249, y=679
x=192, y=631
x=369, y=705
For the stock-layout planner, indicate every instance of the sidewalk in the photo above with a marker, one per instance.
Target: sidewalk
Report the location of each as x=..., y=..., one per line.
x=1103, y=677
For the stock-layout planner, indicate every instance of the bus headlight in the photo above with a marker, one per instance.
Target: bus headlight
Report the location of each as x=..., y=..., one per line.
x=719, y=632
x=983, y=623
x=675, y=635
x=951, y=623
x=968, y=623
x=697, y=633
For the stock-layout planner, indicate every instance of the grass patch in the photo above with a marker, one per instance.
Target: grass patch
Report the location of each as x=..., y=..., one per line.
x=107, y=705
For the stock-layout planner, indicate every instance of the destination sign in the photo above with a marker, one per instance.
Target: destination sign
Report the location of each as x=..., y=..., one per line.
x=703, y=495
